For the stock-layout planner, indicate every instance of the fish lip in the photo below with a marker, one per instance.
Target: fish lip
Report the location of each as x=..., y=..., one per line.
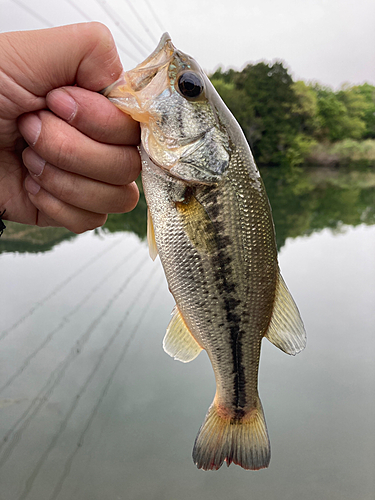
x=165, y=45
x=164, y=40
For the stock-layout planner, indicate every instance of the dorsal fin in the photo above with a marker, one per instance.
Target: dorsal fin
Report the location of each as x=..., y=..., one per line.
x=152, y=248
x=286, y=330
x=178, y=341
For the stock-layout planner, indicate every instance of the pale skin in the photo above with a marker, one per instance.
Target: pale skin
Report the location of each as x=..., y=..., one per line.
x=68, y=156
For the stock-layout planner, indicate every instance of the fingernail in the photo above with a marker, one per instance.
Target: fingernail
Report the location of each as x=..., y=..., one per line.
x=62, y=104
x=33, y=162
x=31, y=186
x=30, y=128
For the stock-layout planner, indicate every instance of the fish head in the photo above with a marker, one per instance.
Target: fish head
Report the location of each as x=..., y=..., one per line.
x=183, y=119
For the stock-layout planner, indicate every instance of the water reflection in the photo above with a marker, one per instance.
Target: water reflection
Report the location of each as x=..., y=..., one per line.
x=92, y=408
x=303, y=201
x=306, y=201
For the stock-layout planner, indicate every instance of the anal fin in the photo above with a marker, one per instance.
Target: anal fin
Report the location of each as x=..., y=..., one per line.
x=286, y=330
x=178, y=341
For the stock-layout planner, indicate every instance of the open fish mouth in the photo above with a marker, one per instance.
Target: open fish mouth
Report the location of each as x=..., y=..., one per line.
x=134, y=88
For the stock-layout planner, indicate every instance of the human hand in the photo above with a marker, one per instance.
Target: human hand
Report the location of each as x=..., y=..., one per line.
x=81, y=160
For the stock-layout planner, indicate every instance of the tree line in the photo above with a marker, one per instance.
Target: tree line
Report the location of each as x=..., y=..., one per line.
x=290, y=122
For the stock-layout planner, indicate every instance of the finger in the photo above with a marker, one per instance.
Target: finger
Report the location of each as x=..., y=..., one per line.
x=67, y=148
x=55, y=212
x=83, y=192
x=43, y=220
x=83, y=54
x=94, y=115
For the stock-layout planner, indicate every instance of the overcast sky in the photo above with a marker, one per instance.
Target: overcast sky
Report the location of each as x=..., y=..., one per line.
x=331, y=41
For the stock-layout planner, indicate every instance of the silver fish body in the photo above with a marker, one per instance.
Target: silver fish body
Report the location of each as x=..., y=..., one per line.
x=211, y=223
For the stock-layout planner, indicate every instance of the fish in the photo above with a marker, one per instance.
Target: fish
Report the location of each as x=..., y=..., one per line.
x=210, y=221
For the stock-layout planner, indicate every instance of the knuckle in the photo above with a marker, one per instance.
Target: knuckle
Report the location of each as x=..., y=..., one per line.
x=105, y=127
x=88, y=223
x=63, y=151
x=124, y=200
x=60, y=184
x=54, y=210
x=130, y=198
x=134, y=198
x=99, y=31
x=121, y=201
x=65, y=189
x=129, y=165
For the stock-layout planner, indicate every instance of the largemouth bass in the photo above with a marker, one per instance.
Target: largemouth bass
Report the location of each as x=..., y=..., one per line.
x=210, y=221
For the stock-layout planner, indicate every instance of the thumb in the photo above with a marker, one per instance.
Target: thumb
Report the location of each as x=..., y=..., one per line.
x=82, y=54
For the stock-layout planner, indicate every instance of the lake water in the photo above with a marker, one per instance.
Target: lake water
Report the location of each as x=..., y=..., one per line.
x=92, y=408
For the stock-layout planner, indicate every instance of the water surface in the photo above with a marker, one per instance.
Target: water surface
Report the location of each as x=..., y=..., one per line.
x=92, y=408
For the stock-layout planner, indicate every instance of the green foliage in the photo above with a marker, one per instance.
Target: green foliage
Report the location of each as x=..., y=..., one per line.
x=299, y=149
x=341, y=113
x=284, y=121
x=347, y=152
x=367, y=91
x=305, y=108
x=240, y=105
x=270, y=89
x=265, y=96
x=33, y=239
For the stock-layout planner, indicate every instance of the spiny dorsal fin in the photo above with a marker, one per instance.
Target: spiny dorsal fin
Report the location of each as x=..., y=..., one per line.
x=152, y=248
x=178, y=341
x=286, y=330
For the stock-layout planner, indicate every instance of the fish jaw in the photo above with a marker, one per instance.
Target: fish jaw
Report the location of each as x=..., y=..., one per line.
x=136, y=88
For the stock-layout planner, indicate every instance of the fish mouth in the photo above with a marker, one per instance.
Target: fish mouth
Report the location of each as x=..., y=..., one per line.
x=136, y=87
x=133, y=79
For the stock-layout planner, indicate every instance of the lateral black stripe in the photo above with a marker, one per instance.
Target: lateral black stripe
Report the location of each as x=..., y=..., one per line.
x=226, y=288
x=221, y=263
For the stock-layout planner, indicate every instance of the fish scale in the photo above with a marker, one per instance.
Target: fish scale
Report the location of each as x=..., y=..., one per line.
x=211, y=223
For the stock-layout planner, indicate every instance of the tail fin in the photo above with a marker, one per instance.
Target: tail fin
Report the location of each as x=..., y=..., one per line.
x=243, y=441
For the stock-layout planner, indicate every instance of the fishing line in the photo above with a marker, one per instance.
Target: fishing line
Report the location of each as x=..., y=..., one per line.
x=42, y=397
x=80, y=442
x=87, y=18
x=155, y=17
x=40, y=18
x=65, y=320
x=141, y=22
x=125, y=29
x=30, y=481
x=55, y=290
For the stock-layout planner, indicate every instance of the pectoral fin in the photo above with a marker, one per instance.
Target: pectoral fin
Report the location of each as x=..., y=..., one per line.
x=178, y=341
x=286, y=330
x=197, y=225
x=151, y=237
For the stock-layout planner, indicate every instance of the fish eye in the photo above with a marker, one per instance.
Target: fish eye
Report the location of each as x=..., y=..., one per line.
x=190, y=84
